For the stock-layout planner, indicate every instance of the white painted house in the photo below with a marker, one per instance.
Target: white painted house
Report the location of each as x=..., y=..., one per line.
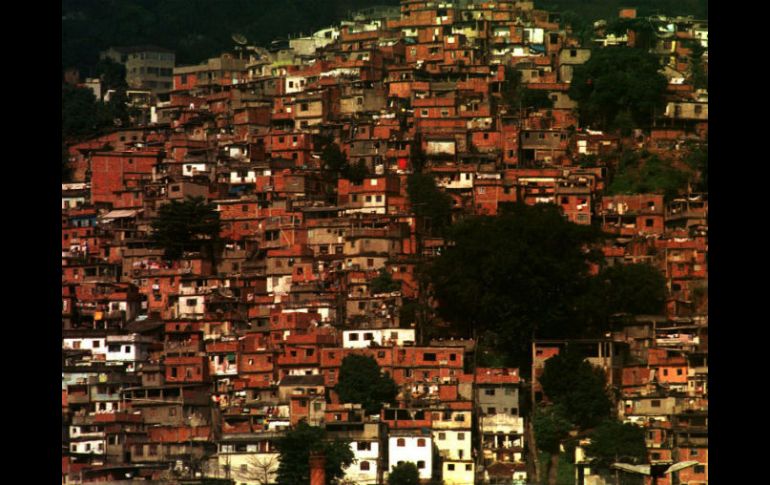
x=411, y=446
x=358, y=339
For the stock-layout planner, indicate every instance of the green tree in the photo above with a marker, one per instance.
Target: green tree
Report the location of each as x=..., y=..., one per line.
x=514, y=276
x=638, y=289
x=384, y=283
x=551, y=428
x=112, y=74
x=429, y=202
x=357, y=172
x=640, y=173
x=295, y=448
x=191, y=225
x=404, y=474
x=578, y=387
x=613, y=441
x=535, y=98
x=362, y=381
x=80, y=115
x=616, y=80
x=698, y=161
x=333, y=159
x=510, y=91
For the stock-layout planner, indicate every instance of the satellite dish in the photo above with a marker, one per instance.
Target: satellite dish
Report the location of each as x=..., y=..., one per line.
x=239, y=39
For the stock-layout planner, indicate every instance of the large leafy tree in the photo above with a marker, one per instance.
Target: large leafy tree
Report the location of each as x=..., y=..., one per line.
x=618, y=81
x=429, y=202
x=361, y=381
x=384, y=283
x=579, y=388
x=81, y=114
x=295, y=448
x=513, y=277
x=404, y=474
x=613, y=441
x=638, y=289
x=516, y=95
x=639, y=173
x=551, y=428
x=190, y=225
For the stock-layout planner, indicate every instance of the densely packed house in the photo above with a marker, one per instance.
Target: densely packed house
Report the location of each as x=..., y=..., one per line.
x=194, y=366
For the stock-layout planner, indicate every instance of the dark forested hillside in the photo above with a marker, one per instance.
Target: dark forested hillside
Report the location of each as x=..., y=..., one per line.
x=195, y=29
x=608, y=9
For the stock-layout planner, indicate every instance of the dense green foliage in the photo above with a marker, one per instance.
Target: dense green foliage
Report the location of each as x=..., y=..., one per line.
x=191, y=225
x=194, y=29
x=404, y=474
x=591, y=10
x=613, y=441
x=333, y=159
x=429, y=202
x=615, y=81
x=362, y=381
x=336, y=164
x=698, y=161
x=295, y=448
x=638, y=289
x=384, y=283
x=516, y=95
x=551, y=428
x=640, y=173
x=83, y=116
x=514, y=276
x=579, y=388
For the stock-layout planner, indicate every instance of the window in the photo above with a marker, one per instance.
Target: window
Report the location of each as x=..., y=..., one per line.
x=430, y=357
x=648, y=222
x=460, y=436
x=303, y=107
x=655, y=403
x=127, y=349
x=363, y=446
x=442, y=436
x=173, y=372
x=364, y=466
x=368, y=336
x=468, y=467
x=421, y=442
x=95, y=344
x=450, y=467
x=401, y=442
x=489, y=392
x=699, y=469
x=421, y=464
x=491, y=411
